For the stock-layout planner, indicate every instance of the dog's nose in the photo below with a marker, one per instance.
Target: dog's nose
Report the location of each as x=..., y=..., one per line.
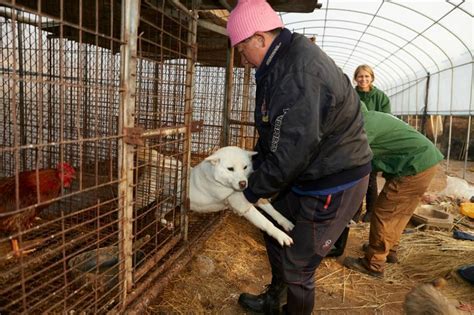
x=242, y=184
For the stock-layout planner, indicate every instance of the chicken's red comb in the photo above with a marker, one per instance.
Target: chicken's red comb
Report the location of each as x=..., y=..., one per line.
x=66, y=167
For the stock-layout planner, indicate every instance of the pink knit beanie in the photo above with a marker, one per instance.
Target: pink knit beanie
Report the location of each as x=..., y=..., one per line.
x=249, y=17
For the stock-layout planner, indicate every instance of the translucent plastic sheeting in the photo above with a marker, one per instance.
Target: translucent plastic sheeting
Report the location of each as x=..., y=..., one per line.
x=405, y=42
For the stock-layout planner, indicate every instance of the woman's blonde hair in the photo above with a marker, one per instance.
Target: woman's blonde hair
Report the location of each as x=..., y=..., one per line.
x=366, y=68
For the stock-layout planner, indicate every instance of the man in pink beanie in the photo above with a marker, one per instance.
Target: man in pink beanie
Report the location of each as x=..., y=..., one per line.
x=312, y=150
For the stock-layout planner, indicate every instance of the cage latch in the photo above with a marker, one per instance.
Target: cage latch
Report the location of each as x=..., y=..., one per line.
x=133, y=135
x=137, y=135
x=197, y=125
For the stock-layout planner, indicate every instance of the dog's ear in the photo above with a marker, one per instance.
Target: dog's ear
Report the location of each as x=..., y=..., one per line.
x=252, y=153
x=214, y=160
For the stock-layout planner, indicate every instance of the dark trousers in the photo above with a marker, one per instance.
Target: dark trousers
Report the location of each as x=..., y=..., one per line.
x=370, y=200
x=319, y=221
x=370, y=197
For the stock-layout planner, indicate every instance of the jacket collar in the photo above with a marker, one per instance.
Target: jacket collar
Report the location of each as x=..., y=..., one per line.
x=369, y=93
x=279, y=43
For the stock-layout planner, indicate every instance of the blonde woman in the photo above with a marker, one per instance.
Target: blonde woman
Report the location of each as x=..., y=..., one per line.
x=373, y=98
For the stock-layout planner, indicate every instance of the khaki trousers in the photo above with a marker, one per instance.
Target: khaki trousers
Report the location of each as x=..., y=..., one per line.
x=393, y=209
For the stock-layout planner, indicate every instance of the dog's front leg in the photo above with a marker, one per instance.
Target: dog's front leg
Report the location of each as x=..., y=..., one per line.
x=266, y=206
x=242, y=207
x=259, y=220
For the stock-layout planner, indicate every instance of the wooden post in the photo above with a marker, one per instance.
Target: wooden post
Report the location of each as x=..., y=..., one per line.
x=191, y=55
x=245, y=107
x=229, y=83
x=128, y=51
x=425, y=110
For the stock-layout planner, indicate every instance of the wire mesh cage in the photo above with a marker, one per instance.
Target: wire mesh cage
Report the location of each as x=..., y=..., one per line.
x=65, y=77
x=242, y=132
x=57, y=107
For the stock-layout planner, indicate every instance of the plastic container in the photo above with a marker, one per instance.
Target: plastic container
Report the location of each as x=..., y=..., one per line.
x=467, y=209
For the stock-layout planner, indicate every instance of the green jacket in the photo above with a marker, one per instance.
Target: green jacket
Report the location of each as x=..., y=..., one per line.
x=375, y=100
x=399, y=149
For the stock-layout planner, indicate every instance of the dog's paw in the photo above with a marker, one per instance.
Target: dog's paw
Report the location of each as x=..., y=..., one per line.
x=286, y=224
x=284, y=240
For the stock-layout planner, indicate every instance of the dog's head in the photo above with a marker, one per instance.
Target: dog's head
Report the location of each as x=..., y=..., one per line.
x=231, y=166
x=427, y=299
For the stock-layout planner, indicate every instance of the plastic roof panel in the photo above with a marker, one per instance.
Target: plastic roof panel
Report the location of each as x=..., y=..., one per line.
x=405, y=42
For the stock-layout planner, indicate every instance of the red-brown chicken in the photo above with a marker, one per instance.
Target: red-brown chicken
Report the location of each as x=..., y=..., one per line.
x=48, y=186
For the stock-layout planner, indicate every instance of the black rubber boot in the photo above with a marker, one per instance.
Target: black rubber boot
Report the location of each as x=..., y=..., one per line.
x=268, y=302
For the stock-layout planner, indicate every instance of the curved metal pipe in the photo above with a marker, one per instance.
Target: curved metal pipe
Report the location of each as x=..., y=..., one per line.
x=226, y=5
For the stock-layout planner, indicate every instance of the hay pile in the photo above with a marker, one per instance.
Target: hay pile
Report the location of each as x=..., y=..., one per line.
x=234, y=261
x=431, y=254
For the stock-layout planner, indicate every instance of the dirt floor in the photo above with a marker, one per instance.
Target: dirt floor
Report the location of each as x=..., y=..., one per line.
x=234, y=260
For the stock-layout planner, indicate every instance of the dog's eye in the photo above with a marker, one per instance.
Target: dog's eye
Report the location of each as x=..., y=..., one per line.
x=245, y=167
x=230, y=169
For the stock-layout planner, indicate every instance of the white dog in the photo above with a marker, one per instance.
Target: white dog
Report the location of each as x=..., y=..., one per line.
x=217, y=183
